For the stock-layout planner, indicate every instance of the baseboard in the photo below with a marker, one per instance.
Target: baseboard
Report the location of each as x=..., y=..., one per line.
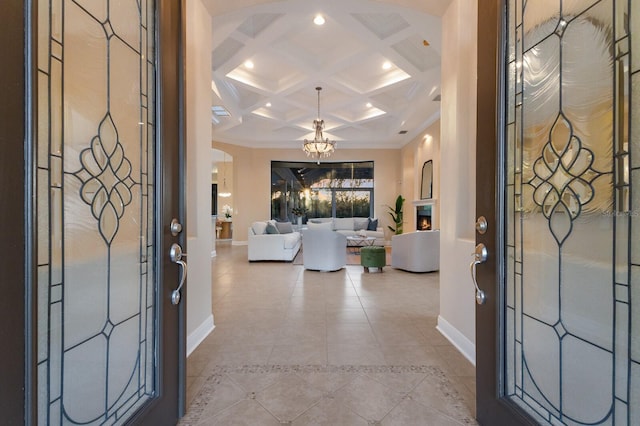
x=457, y=339
x=240, y=243
x=199, y=334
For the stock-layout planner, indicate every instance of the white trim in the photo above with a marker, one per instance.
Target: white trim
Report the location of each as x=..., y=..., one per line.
x=457, y=339
x=240, y=243
x=199, y=334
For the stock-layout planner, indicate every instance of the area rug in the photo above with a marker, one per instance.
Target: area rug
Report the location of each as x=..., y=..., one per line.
x=353, y=257
x=314, y=394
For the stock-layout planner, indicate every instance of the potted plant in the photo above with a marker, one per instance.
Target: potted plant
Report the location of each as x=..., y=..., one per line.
x=299, y=212
x=397, y=215
x=227, y=210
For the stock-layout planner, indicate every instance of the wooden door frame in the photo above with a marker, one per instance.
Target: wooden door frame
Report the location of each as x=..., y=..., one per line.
x=491, y=408
x=170, y=125
x=16, y=332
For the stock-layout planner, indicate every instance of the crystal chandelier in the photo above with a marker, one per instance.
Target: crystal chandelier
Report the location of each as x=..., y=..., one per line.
x=319, y=147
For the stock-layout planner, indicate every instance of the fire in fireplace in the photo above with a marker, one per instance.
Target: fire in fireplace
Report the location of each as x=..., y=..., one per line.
x=424, y=223
x=423, y=218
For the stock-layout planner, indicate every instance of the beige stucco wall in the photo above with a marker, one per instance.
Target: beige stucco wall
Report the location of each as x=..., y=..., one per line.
x=198, y=184
x=252, y=181
x=457, y=174
x=414, y=155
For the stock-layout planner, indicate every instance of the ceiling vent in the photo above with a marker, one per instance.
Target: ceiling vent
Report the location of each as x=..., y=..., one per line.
x=402, y=132
x=220, y=111
x=436, y=99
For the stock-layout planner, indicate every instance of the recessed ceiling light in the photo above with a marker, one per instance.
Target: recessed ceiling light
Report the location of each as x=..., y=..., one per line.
x=268, y=105
x=249, y=64
x=319, y=20
x=369, y=105
x=386, y=65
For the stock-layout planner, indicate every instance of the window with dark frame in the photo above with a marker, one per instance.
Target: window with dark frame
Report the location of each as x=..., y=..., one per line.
x=310, y=190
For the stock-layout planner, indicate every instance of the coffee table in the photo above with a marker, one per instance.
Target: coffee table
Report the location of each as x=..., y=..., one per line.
x=356, y=242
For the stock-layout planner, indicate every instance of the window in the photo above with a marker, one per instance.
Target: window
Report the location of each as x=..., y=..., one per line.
x=321, y=190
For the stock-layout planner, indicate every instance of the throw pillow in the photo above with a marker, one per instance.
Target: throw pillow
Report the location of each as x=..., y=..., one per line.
x=343, y=223
x=259, y=228
x=284, y=227
x=360, y=223
x=373, y=225
x=272, y=229
x=324, y=225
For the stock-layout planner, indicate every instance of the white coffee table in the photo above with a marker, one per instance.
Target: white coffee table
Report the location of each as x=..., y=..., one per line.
x=356, y=242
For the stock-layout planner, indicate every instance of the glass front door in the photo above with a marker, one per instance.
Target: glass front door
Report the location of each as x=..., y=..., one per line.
x=99, y=313
x=570, y=348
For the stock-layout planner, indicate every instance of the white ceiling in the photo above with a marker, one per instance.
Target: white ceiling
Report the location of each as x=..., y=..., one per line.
x=292, y=56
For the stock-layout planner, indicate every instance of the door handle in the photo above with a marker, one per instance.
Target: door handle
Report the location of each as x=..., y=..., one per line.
x=176, y=254
x=479, y=256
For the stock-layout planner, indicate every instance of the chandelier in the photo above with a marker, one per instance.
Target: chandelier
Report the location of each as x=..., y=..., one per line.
x=225, y=193
x=319, y=147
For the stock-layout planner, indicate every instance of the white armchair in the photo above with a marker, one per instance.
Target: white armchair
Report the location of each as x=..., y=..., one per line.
x=323, y=250
x=416, y=251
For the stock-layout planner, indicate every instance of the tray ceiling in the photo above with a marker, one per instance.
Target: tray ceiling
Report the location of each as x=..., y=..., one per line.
x=362, y=102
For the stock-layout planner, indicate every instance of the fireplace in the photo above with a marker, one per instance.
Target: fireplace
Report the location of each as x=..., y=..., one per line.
x=423, y=218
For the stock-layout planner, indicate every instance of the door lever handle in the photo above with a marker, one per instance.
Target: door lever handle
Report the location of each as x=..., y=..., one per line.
x=479, y=256
x=176, y=255
x=175, y=294
x=481, y=297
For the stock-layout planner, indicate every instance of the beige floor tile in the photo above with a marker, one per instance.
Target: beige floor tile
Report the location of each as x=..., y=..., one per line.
x=224, y=394
x=398, y=334
x=302, y=332
x=368, y=398
x=247, y=412
x=438, y=394
x=239, y=355
x=339, y=348
x=410, y=355
x=327, y=381
x=349, y=354
x=336, y=316
x=329, y=412
x=289, y=397
x=400, y=381
x=255, y=381
x=194, y=385
x=351, y=334
x=299, y=354
x=410, y=413
x=456, y=363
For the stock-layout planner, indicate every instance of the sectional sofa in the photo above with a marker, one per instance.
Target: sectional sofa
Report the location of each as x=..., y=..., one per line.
x=273, y=246
x=350, y=226
x=271, y=240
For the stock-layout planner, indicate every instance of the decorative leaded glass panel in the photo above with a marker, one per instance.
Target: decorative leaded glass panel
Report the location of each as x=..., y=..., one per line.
x=95, y=157
x=572, y=353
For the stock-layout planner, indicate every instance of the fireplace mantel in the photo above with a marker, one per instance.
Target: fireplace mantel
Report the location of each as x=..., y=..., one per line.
x=419, y=205
x=425, y=202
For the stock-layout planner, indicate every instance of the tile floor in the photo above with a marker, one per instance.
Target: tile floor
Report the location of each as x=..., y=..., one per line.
x=337, y=348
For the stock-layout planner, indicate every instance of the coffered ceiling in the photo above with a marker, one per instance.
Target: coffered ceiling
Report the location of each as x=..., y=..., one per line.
x=363, y=102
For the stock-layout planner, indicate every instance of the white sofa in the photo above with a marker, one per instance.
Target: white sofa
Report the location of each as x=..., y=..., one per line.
x=416, y=251
x=263, y=246
x=324, y=250
x=349, y=226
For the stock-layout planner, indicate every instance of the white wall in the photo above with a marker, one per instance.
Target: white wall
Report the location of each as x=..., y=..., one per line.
x=457, y=175
x=198, y=129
